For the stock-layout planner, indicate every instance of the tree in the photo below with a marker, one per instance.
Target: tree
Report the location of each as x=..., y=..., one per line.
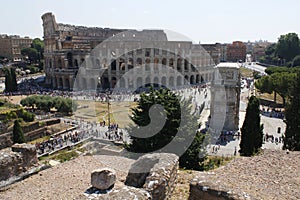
x=180, y=126
x=292, y=115
x=279, y=83
x=32, y=54
x=38, y=44
x=35, y=51
x=288, y=46
x=282, y=84
x=18, y=136
x=252, y=131
x=296, y=61
x=10, y=80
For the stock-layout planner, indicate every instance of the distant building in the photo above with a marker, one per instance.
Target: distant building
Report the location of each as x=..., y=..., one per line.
x=11, y=46
x=258, y=51
x=236, y=51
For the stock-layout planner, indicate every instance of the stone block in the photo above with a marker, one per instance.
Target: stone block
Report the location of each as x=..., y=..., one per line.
x=103, y=179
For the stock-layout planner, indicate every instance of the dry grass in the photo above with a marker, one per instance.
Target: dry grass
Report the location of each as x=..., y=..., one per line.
x=98, y=111
x=270, y=97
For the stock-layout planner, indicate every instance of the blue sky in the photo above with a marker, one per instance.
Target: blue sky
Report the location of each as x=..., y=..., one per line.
x=206, y=21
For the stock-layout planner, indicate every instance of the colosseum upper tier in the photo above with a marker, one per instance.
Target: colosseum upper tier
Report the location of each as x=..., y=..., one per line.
x=86, y=58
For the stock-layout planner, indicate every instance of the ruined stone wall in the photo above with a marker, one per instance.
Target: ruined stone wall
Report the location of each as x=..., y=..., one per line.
x=16, y=160
x=156, y=173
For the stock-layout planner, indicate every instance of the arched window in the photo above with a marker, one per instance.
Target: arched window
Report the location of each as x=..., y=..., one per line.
x=70, y=59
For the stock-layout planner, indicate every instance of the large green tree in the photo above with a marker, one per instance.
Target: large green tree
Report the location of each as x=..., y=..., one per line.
x=35, y=51
x=179, y=127
x=18, y=135
x=292, y=115
x=279, y=83
x=288, y=46
x=252, y=130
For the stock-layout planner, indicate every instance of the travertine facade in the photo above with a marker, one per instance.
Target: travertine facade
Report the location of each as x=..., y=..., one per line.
x=67, y=47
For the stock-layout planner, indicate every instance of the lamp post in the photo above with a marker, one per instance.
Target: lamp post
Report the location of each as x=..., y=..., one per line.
x=107, y=100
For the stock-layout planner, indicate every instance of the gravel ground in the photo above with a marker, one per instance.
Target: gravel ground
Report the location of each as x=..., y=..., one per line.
x=67, y=180
x=272, y=175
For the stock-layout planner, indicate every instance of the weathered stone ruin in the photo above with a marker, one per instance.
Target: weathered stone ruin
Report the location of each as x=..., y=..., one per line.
x=17, y=159
x=152, y=176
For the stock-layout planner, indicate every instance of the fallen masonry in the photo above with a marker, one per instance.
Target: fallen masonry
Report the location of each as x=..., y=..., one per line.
x=17, y=159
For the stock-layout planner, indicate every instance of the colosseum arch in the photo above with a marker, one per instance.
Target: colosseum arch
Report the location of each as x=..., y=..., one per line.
x=179, y=81
x=139, y=81
x=164, y=81
x=192, y=79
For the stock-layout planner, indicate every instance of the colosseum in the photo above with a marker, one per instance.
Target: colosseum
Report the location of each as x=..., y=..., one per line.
x=87, y=58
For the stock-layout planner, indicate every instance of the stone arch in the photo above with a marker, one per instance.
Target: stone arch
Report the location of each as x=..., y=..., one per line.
x=122, y=83
x=192, y=79
x=60, y=83
x=67, y=84
x=59, y=63
x=113, y=65
x=171, y=81
x=156, y=82
x=179, y=81
x=164, y=81
x=148, y=80
x=197, y=79
x=186, y=79
x=164, y=61
x=113, y=82
x=179, y=64
x=186, y=65
x=70, y=59
x=121, y=64
x=130, y=63
x=171, y=62
x=139, y=81
x=139, y=61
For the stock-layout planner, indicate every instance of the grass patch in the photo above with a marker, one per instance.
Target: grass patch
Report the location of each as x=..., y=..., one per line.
x=65, y=156
x=213, y=162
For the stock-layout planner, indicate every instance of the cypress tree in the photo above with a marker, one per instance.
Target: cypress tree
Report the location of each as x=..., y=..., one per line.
x=292, y=115
x=18, y=136
x=10, y=80
x=252, y=131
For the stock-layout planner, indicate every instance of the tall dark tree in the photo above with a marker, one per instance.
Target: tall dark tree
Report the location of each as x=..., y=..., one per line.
x=252, y=130
x=18, y=135
x=10, y=80
x=179, y=128
x=292, y=133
